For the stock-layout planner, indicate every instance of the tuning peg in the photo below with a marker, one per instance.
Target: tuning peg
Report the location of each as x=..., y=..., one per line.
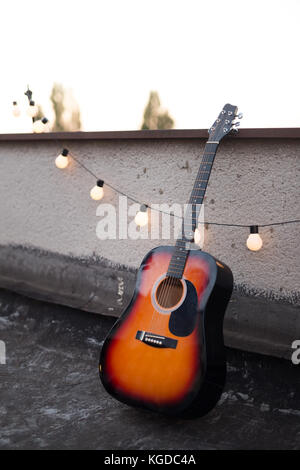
x=234, y=130
x=239, y=116
x=236, y=124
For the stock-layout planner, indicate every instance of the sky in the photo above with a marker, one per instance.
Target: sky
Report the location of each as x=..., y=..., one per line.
x=198, y=55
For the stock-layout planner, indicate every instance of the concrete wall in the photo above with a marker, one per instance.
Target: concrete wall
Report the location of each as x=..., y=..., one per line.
x=252, y=181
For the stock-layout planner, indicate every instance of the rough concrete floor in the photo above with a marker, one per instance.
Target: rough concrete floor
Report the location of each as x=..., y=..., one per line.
x=51, y=397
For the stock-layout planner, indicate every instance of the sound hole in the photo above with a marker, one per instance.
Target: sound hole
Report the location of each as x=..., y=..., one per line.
x=169, y=292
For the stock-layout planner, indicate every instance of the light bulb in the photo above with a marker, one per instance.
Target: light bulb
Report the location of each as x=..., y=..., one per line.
x=32, y=109
x=62, y=160
x=197, y=236
x=97, y=191
x=141, y=217
x=254, y=241
x=16, y=110
x=45, y=123
x=38, y=127
x=41, y=125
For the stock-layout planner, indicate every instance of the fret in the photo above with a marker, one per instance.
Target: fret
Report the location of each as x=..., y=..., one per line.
x=177, y=261
x=179, y=256
x=194, y=201
x=177, y=275
x=175, y=269
x=205, y=166
x=183, y=251
x=209, y=155
x=178, y=242
x=197, y=199
x=196, y=193
x=176, y=266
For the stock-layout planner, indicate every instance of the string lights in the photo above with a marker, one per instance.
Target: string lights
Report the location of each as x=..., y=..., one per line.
x=254, y=241
x=38, y=125
x=97, y=191
x=62, y=161
x=141, y=217
x=32, y=109
x=41, y=125
x=16, y=110
x=197, y=236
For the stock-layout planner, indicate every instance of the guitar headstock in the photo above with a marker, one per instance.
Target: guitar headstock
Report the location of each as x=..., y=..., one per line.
x=224, y=123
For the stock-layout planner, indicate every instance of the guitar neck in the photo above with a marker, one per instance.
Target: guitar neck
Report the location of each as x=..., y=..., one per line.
x=200, y=185
x=181, y=251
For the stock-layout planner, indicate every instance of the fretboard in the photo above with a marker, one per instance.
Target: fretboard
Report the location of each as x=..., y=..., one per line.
x=181, y=249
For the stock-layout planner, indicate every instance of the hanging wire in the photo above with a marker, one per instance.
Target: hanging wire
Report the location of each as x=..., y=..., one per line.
x=118, y=190
x=133, y=199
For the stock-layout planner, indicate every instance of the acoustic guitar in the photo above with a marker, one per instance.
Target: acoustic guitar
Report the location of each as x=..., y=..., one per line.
x=166, y=352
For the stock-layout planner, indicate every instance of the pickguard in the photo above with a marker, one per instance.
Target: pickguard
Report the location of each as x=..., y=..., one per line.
x=183, y=320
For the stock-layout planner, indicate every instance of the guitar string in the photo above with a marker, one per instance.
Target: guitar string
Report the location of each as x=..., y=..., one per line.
x=165, y=298
x=169, y=284
x=171, y=281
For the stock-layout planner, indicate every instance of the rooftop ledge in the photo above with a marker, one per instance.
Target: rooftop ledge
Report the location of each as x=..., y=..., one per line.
x=201, y=134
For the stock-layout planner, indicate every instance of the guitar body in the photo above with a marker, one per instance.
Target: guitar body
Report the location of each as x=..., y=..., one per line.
x=166, y=352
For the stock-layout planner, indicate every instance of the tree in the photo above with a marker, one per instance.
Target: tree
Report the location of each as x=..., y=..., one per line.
x=154, y=116
x=66, y=109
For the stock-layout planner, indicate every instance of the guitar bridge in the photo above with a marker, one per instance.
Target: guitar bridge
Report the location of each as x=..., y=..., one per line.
x=156, y=341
